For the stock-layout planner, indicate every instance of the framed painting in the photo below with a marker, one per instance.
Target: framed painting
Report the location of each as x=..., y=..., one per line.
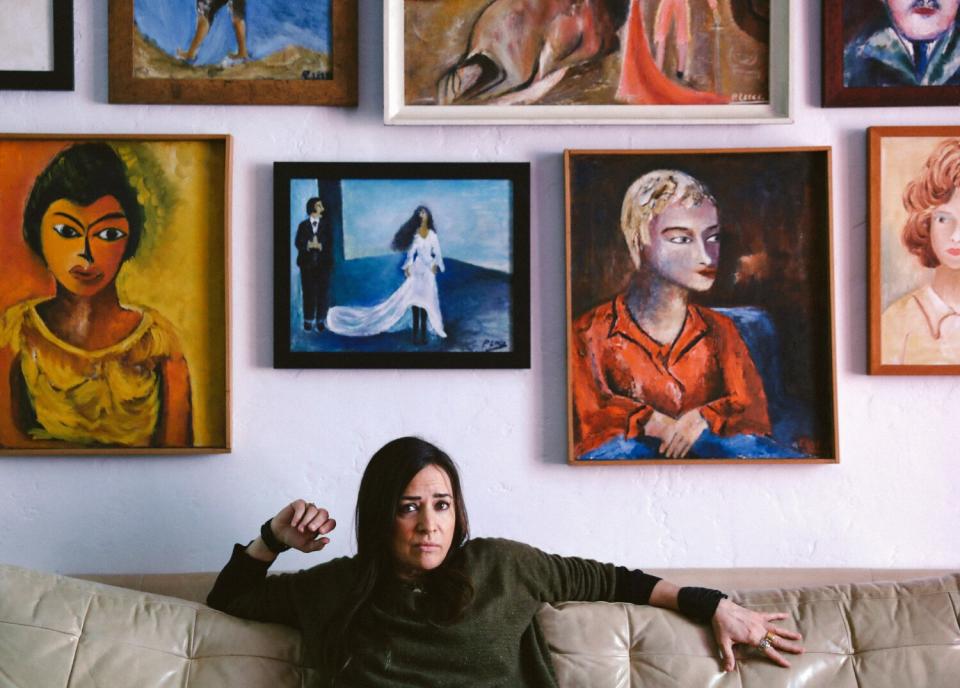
x=113, y=296
x=914, y=250
x=401, y=265
x=36, y=46
x=231, y=52
x=699, y=307
x=890, y=53
x=586, y=61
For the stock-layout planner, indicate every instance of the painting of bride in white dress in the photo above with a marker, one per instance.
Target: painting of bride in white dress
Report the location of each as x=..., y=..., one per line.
x=418, y=239
x=429, y=265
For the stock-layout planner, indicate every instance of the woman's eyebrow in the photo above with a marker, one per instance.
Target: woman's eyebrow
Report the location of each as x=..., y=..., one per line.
x=109, y=216
x=681, y=228
x=417, y=498
x=69, y=217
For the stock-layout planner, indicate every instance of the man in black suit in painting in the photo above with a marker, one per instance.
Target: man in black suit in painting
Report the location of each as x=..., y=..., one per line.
x=314, y=244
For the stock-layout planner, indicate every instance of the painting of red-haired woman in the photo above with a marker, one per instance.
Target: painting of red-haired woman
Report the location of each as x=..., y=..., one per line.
x=915, y=228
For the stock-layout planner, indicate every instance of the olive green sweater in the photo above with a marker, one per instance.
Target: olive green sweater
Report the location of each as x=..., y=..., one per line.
x=496, y=643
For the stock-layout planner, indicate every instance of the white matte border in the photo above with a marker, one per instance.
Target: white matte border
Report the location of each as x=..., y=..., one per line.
x=26, y=35
x=777, y=111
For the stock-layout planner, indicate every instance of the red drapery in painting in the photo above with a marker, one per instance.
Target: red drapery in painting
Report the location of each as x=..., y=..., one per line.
x=641, y=81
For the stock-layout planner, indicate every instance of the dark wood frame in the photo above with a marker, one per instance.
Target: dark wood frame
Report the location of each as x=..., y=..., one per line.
x=60, y=78
x=340, y=90
x=875, y=136
x=835, y=456
x=835, y=94
x=517, y=173
x=227, y=141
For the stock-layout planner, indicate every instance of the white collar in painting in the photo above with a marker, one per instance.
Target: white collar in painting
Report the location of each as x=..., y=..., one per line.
x=935, y=309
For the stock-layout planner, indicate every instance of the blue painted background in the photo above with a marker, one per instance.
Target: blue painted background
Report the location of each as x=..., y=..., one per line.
x=472, y=216
x=271, y=26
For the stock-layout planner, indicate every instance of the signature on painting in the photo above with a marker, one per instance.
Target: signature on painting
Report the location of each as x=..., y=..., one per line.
x=493, y=344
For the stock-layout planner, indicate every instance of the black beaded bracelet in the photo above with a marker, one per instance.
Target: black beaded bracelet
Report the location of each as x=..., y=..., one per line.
x=270, y=540
x=699, y=604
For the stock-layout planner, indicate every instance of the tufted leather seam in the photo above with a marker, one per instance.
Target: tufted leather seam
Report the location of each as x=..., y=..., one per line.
x=902, y=646
x=191, y=650
x=42, y=628
x=646, y=653
x=76, y=649
x=851, y=598
x=852, y=655
x=623, y=609
x=956, y=610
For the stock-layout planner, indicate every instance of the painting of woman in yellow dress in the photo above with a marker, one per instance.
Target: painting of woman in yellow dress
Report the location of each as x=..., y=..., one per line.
x=87, y=366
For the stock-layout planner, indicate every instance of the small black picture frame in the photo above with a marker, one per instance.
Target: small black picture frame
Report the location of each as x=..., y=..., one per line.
x=451, y=291
x=60, y=78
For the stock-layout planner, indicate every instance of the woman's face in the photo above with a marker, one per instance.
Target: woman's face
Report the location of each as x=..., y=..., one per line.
x=84, y=246
x=424, y=523
x=922, y=20
x=684, y=246
x=945, y=232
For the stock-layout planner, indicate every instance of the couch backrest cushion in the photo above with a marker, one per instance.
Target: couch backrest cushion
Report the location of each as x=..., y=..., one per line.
x=868, y=635
x=58, y=632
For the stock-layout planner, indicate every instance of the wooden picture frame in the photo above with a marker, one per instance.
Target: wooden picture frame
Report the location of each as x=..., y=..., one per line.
x=59, y=77
x=135, y=230
x=866, y=61
x=912, y=264
x=584, y=88
x=422, y=265
x=151, y=63
x=725, y=258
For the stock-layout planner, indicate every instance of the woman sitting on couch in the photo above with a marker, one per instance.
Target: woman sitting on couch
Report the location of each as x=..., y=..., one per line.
x=422, y=604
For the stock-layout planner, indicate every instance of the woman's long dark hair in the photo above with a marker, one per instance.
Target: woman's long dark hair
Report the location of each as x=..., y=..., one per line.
x=404, y=236
x=450, y=589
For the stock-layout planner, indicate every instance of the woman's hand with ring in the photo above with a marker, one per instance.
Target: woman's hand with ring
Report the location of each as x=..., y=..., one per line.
x=733, y=624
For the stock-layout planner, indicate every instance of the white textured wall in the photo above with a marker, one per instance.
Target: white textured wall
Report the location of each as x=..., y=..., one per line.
x=891, y=502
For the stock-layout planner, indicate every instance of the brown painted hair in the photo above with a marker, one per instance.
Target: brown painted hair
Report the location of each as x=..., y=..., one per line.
x=935, y=186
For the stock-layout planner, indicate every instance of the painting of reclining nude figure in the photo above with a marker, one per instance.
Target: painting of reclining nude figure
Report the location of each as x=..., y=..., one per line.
x=699, y=306
x=586, y=52
x=402, y=265
x=232, y=39
x=113, y=295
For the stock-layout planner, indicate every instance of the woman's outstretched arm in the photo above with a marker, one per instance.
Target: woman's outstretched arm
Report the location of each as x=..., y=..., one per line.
x=732, y=624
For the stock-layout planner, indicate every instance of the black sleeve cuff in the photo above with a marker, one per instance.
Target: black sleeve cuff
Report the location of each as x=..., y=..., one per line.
x=240, y=573
x=633, y=586
x=699, y=604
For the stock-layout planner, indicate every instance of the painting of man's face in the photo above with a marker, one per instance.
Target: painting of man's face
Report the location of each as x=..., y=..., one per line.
x=922, y=20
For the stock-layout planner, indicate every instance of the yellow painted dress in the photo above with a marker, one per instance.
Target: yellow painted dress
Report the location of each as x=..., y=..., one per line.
x=104, y=396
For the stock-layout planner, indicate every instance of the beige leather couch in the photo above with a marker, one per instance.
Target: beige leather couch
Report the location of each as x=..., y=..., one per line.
x=58, y=632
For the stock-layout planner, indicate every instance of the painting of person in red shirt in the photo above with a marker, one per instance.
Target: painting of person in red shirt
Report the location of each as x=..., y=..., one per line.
x=652, y=373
